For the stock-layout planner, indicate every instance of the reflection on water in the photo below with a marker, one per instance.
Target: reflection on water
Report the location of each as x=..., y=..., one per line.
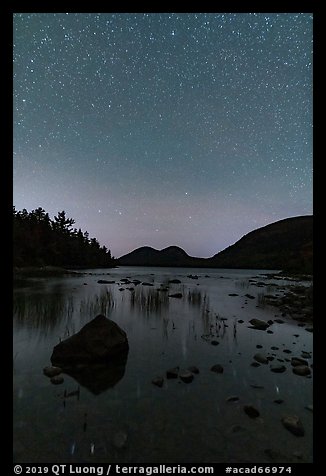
x=99, y=377
x=206, y=325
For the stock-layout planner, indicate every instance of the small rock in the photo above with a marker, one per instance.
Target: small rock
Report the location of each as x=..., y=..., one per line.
x=158, y=381
x=258, y=324
x=258, y=346
x=104, y=281
x=214, y=342
x=278, y=368
x=176, y=295
x=172, y=373
x=302, y=370
x=147, y=284
x=270, y=332
x=232, y=399
x=217, y=368
x=186, y=376
x=296, y=361
x=240, y=321
x=270, y=358
x=174, y=281
x=306, y=355
x=309, y=407
x=233, y=294
x=261, y=358
x=57, y=379
x=278, y=400
x=274, y=347
x=193, y=369
x=287, y=351
x=249, y=296
x=251, y=411
x=309, y=329
x=255, y=364
x=270, y=322
x=293, y=424
x=52, y=371
x=279, y=321
x=119, y=440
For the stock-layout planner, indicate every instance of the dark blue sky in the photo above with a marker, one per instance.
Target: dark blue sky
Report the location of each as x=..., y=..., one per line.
x=164, y=129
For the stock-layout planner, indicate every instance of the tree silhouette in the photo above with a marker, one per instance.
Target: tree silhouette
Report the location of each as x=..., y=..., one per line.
x=40, y=241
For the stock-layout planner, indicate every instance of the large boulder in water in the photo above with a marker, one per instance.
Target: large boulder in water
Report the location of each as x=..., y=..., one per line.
x=99, y=340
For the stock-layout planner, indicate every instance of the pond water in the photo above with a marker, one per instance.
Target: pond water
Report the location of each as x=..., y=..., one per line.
x=118, y=415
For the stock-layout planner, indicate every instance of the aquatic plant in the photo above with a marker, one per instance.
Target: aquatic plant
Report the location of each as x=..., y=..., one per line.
x=149, y=300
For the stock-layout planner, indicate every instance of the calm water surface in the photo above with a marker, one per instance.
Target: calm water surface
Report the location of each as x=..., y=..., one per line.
x=179, y=422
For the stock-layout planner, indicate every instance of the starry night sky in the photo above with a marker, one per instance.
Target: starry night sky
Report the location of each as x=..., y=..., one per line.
x=164, y=129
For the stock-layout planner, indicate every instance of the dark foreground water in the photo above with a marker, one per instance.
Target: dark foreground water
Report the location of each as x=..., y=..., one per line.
x=118, y=415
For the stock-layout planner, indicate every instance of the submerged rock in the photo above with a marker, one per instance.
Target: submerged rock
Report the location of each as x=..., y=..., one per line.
x=186, y=376
x=261, y=358
x=232, y=399
x=302, y=370
x=97, y=341
x=293, y=424
x=176, y=295
x=158, y=381
x=217, y=368
x=296, y=361
x=172, y=373
x=278, y=368
x=249, y=296
x=251, y=411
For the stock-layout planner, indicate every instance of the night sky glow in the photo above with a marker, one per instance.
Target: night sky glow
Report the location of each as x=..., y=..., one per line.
x=164, y=129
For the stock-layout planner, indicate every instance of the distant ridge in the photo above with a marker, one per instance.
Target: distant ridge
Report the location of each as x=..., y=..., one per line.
x=170, y=256
x=286, y=245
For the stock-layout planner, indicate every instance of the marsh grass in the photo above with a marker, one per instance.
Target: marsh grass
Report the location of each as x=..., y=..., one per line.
x=102, y=303
x=243, y=283
x=261, y=300
x=196, y=297
x=42, y=311
x=149, y=300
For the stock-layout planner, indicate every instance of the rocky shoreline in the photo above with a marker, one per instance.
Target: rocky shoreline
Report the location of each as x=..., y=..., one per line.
x=294, y=301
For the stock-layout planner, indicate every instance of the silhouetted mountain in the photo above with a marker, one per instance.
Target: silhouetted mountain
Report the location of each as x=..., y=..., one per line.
x=284, y=245
x=171, y=256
